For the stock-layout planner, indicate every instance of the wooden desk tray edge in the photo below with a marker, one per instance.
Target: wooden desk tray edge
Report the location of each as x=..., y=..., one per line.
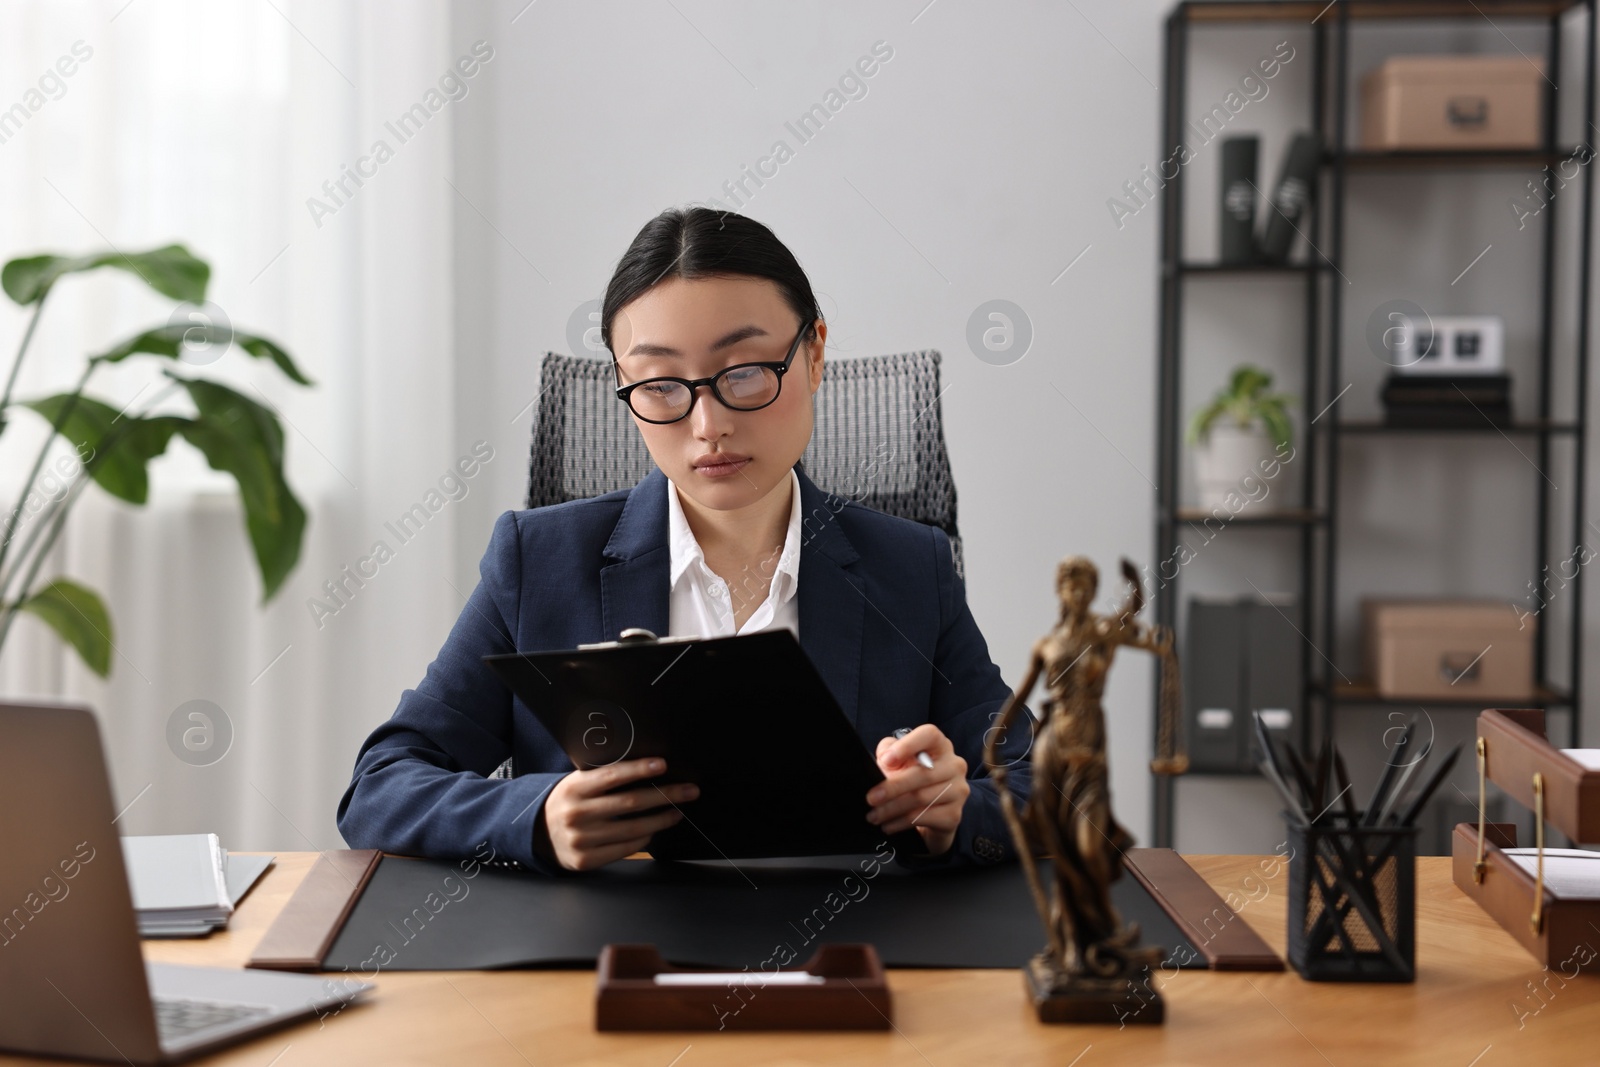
x=855, y=995
x=1517, y=748
x=1569, y=933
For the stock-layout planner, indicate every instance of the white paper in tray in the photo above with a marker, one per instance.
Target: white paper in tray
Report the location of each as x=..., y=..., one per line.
x=1589, y=757
x=1569, y=873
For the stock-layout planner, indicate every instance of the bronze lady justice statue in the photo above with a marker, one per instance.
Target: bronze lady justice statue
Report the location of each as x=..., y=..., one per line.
x=1090, y=958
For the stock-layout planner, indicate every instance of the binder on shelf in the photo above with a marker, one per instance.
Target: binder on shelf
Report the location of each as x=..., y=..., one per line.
x=1288, y=213
x=1240, y=656
x=1238, y=225
x=1213, y=698
x=1272, y=673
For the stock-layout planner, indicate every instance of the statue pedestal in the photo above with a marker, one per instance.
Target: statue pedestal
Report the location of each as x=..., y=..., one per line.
x=1060, y=996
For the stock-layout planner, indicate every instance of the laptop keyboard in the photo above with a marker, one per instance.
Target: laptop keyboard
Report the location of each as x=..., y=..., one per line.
x=178, y=1017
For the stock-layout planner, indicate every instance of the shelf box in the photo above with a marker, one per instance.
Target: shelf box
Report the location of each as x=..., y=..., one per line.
x=1473, y=102
x=1448, y=650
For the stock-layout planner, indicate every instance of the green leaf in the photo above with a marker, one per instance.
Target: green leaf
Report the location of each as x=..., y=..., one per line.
x=79, y=617
x=1276, y=420
x=1200, y=425
x=169, y=340
x=1248, y=381
x=243, y=438
x=172, y=271
x=118, y=449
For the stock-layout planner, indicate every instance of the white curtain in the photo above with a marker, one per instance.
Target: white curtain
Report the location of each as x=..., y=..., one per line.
x=213, y=124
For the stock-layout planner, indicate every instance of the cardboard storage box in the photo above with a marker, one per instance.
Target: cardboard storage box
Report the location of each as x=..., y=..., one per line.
x=1449, y=649
x=1433, y=102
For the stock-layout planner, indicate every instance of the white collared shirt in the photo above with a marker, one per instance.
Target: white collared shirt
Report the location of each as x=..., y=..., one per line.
x=701, y=603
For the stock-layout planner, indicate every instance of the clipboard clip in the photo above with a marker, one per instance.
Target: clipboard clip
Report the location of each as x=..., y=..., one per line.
x=637, y=635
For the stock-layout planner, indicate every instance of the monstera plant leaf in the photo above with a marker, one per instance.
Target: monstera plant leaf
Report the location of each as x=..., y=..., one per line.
x=171, y=271
x=170, y=340
x=237, y=435
x=78, y=616
x=243, y=438
x=90, y=424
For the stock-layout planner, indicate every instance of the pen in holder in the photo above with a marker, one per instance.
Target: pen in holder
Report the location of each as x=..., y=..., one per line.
x=1352, y=900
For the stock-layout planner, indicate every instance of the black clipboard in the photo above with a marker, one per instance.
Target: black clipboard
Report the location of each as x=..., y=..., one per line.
x=747, y=718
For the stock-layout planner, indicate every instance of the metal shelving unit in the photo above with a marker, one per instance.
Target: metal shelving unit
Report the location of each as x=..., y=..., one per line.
x=1316, y=520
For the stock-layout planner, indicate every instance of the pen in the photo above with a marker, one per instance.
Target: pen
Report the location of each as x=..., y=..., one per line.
x=922, y=757
x=1386, y=779
x=1409, y=816
x=1294, y=807
x=1400, y=786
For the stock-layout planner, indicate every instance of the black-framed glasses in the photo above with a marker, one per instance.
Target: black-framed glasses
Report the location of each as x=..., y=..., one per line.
x=742, y=387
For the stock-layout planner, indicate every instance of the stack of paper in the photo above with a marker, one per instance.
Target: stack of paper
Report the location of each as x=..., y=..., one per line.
x=186, y=885
x=1569, y=873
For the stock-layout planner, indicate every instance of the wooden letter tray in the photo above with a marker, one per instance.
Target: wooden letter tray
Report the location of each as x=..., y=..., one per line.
x=854, y=994
x=1515, y=754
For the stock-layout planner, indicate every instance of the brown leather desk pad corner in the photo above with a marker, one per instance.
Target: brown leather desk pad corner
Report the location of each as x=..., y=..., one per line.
x=300, y=937
x=419, y=914
x=1202, y=916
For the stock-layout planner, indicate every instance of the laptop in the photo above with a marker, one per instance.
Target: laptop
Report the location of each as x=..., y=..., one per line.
x=75, y=982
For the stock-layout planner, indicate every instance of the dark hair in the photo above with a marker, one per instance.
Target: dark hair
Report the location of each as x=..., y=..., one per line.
x=697, y=242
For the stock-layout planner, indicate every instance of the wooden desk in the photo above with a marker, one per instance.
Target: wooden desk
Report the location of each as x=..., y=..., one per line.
x=1472, y=991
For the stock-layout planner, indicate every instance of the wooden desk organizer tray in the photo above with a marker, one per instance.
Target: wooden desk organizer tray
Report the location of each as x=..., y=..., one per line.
x=853, y=995
x=1515, y=754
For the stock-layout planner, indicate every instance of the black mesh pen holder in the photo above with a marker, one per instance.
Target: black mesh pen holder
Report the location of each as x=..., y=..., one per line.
x=1353, y=901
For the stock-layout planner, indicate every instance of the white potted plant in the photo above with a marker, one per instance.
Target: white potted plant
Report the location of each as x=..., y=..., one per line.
x=1243, y=433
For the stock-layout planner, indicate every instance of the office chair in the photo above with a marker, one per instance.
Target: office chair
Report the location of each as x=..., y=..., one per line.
x=878, y=439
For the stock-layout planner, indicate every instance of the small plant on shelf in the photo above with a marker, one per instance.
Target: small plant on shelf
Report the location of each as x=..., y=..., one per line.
x=1239, y=435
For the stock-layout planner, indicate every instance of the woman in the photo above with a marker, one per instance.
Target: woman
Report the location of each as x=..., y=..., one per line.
x=717, y=345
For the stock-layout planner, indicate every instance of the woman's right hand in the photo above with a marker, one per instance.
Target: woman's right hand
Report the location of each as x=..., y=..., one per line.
x=584, y=825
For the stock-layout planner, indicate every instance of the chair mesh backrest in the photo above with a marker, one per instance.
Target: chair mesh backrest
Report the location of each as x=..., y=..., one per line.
x=878, y=437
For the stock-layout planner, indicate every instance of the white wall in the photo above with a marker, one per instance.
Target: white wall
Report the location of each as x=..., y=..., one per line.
x=978, y=166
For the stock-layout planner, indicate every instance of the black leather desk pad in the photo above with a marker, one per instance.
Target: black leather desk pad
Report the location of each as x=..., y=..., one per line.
x=419, y=915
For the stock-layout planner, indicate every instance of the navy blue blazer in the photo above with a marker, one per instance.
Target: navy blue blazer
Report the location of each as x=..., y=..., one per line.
x=882, y=615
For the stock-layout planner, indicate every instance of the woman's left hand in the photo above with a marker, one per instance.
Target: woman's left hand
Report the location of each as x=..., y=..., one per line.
x=914, y=795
